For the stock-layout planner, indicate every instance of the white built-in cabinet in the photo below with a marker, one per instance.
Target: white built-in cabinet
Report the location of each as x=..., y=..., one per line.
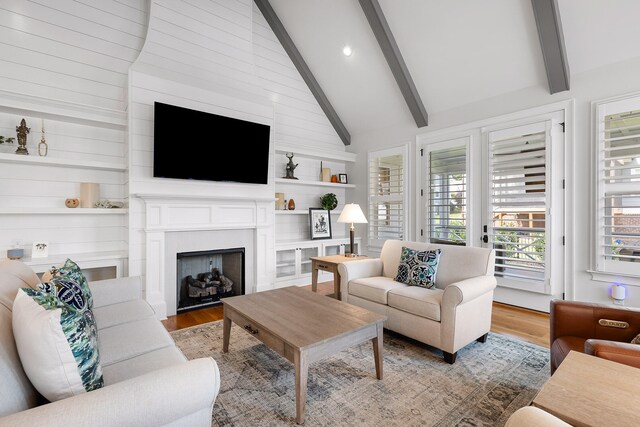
x=293, y=245
x=293, y=263
x=84, y=145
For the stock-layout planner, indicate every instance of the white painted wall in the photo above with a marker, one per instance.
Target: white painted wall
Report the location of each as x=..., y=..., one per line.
x=595, y=84
x=66, y=62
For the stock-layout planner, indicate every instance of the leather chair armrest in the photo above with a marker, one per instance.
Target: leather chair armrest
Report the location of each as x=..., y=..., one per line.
x=621, y=352
x=580, y=319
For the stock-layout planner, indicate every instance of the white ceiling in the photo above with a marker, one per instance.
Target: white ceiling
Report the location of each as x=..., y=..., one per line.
x=457, y=52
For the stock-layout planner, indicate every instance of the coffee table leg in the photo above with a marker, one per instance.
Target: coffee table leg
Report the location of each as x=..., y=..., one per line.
x=314, y=276
x=377, y=351
x=301, y=365
x=226, y=333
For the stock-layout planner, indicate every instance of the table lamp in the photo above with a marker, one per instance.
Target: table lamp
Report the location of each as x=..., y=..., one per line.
x=352, y=213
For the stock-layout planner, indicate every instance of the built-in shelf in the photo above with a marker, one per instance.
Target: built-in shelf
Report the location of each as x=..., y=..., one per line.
x=62, y=211
x=77, y=258
x=313, y=183
x=314, y=153
x=302, y=212
x=58, y=162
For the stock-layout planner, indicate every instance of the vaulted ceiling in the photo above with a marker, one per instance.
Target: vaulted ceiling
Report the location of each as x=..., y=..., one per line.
x=457, y=52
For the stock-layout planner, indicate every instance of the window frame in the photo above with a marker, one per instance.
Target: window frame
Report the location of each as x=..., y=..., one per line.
x=601, y=109
x=402, y=150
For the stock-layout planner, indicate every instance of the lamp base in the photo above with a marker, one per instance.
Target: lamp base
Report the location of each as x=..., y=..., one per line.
x=351, y=255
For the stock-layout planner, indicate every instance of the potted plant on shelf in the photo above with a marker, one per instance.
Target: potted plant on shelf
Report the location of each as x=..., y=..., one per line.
x=329, y=201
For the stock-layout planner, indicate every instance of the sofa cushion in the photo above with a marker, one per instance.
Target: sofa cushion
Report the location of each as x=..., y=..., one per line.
x=124, y=312
x=374, y=288
x=417, y=300
x=418, y=268
x=128, y=340
x=142, y=364
x=57, y=344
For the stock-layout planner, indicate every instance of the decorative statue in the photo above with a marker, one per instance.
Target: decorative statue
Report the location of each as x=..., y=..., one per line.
x=22, y=132
x=290, y=166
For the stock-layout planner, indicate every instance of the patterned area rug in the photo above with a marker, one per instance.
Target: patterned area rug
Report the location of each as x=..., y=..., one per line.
x=484, y=387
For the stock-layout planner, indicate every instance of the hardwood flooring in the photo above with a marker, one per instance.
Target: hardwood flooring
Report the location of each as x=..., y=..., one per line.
x=527, y=325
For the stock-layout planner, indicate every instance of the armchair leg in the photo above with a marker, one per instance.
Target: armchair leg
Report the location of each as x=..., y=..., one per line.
x=483, y=338
x=450, y=358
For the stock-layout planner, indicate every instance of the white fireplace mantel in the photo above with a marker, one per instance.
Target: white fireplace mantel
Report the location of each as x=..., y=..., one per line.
x=181, y=213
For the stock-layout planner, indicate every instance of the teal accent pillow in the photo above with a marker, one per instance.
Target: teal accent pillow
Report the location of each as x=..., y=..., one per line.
x=57, y=343
x=418, y=268
x=71, y=271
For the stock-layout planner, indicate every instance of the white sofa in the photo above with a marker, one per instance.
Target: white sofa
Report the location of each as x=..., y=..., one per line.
x=148, y=382
x=449, y=316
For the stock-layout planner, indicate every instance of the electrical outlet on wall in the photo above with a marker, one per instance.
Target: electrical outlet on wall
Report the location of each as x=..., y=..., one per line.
x=618, y=301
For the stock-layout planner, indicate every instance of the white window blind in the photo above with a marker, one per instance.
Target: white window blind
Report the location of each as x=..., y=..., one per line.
x=518, y=185
x=619, y=187
x=387, y=203
x=447, y=221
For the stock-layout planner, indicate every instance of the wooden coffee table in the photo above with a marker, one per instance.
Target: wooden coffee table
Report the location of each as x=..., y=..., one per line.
x=330, y=263
x=303, y=327
x=588, y=391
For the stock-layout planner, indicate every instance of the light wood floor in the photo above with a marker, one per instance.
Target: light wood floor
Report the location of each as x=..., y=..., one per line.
x=527, y=325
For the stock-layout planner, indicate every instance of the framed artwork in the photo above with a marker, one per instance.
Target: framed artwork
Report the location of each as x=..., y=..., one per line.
x=40, y=250
x=343, y=178
x=319, y=223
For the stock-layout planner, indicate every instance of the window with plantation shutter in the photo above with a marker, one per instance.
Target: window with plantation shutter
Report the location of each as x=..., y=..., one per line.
x=518, y=204
x=447, y=182
x=387, y=195
x=618, y=184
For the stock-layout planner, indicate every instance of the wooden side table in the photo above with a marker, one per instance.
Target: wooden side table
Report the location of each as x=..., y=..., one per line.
x=330, y=264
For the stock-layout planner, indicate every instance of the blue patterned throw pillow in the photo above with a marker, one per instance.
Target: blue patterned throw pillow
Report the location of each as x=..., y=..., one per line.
x=72, y=272
x=418, y=268
x=57, y=343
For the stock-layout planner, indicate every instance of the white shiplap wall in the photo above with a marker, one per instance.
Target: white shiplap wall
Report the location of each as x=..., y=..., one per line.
x=220, y=57
x=66, y=62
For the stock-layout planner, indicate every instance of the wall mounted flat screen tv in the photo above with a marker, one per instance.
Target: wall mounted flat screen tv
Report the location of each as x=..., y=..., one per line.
x=190, y=144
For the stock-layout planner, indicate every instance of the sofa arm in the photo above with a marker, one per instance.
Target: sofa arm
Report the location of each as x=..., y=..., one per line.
x=157, y=398
x=621, y=352
x=357, y=269
x=114, y=291
x=466, y=290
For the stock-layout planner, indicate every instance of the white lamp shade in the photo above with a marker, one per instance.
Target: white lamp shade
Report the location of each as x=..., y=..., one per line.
x=352, y=214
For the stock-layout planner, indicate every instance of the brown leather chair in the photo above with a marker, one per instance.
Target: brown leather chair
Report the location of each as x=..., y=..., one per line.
x=595, y=329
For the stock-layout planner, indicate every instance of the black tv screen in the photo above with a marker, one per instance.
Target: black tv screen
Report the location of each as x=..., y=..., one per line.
x=190, y=144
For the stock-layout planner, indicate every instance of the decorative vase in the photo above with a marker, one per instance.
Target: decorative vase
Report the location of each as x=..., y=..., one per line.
x=280, y=201
x=334, y=178
x=292, y=205
x=325, y=174
x=89, y=194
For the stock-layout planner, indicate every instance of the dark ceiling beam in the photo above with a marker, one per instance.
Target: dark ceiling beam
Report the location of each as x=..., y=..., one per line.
x=389, y=47
x=293, y=52
x=552, y=43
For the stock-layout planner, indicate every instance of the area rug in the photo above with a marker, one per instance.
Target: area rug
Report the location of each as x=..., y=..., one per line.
x=484, y=387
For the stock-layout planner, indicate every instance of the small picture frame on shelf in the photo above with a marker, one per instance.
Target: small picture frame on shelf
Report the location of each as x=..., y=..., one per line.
x=40, y=250
x=319, y=223
x=342, y=178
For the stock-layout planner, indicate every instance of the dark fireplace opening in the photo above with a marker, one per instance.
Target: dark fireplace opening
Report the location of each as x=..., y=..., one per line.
x=205, y=277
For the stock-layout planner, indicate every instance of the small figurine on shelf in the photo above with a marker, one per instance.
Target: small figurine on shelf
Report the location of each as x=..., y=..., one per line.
x=292, y=205
x=22, y=132
x=290, y=167
x=43, y=148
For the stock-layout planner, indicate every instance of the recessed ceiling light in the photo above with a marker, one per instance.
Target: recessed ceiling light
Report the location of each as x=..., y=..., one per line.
x=347, y=50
